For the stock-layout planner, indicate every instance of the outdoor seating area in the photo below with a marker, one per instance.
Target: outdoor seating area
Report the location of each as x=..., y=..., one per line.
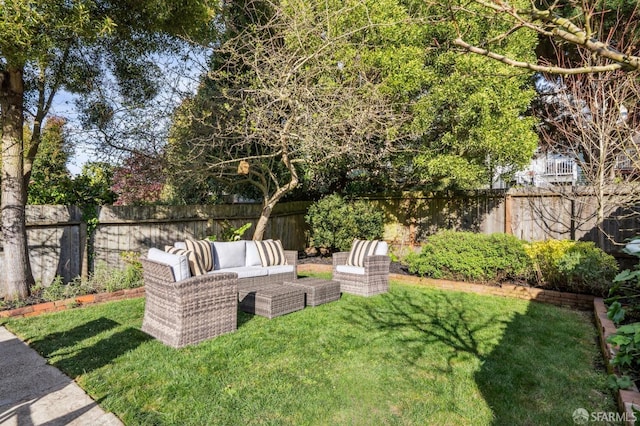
x=194, y=288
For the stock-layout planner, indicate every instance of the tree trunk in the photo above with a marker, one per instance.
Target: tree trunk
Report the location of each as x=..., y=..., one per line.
x=261, y=226
x=17, y=275
x=270, y=202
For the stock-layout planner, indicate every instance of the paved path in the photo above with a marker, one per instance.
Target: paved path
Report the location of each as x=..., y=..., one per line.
x=35, y=393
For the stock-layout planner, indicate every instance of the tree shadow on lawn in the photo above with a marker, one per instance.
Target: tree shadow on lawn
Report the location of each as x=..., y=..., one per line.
x=515, y=350
x=67, y=351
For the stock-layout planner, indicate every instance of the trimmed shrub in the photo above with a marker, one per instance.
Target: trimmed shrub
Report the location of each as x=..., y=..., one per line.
x=467, y=256
x=335, y=223
x=573, y=266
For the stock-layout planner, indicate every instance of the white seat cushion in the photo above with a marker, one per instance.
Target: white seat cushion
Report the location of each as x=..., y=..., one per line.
x=246, y=271
x=279, y=269
x=348, y=269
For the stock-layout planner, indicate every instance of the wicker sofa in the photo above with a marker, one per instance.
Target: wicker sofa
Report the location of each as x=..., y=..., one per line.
x=243, y=258
x=188, y=311
x=369, y=278
x=258, y=289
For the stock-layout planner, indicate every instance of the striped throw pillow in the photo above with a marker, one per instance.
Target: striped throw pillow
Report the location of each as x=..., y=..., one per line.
x=359, y=250
x=271, y=252
x=201, y=259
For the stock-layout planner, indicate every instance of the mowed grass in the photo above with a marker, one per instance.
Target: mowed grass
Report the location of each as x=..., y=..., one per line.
x=415, y=356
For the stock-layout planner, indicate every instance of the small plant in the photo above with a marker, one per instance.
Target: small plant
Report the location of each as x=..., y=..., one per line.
x=231, y=233
x=624, y=295
x=335, y=223
x=573, y=266
x=627, y=357
x=469, y=256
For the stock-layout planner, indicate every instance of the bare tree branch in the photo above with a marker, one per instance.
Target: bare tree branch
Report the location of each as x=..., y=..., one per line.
x=549, y=23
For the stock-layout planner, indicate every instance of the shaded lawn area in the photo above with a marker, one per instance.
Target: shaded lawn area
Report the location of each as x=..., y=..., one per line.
x=412, y=356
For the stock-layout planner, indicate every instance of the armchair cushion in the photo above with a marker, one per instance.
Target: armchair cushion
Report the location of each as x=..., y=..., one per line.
x=382, y=248
x=178, y=262
x=201, y=259
x=271, y=252
x=348, y=269
x=359, y=250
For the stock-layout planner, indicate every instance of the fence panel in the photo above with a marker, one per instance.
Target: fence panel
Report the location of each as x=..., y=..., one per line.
x=57, y=234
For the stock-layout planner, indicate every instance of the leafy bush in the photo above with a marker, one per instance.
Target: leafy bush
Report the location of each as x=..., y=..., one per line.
x=573, y=266
x=230, y=232
x=627, y=356
x=624, y=305
x=103, y=279
x=335, y=222
x=468, y=256
x=624, y=295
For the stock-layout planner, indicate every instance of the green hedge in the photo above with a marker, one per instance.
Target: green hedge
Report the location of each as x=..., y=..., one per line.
x=468, y=256
x=572, y=266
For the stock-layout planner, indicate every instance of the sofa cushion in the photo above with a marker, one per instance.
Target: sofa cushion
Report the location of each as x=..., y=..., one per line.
x=271, y=252
x=246, y=271
x=347, y=269
x=178, y=262
x=253, y=257
x=280, y=269
x=201, y=258
x=359, y=250
x=230, y=254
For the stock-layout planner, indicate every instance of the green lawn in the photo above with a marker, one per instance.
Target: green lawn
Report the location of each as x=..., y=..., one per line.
x=413, y=356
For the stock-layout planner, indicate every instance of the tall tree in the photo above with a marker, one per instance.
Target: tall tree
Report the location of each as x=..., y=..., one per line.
x=298, y=87
x=139, y=180
x=471, y=113
x=50, y=181
x=594, y=118
x=49, y=45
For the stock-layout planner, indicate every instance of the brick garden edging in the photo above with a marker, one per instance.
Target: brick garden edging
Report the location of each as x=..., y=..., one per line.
x=61, y=305
x=629, y=398
x=577, y=301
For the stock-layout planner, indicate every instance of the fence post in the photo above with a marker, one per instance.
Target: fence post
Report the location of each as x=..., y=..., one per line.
x=84, y=250
x=507, y=214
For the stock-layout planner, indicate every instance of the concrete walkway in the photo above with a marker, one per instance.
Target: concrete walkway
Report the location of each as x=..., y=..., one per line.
x=34, y=393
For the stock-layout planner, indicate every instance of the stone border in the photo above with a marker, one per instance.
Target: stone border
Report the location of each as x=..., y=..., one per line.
x=629, y=398
x=61, y=305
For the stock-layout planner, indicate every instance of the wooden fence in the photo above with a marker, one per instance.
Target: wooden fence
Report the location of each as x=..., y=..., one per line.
x=58, y=242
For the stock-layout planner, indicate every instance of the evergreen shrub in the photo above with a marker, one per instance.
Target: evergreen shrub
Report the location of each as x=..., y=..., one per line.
x=572, y=266
x=468, y=256
x=335, y=222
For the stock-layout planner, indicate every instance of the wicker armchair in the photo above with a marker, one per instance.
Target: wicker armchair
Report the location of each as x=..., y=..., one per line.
x=191, y=310
x=374, y=280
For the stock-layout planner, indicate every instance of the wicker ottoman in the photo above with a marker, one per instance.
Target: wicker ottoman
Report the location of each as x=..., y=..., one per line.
x=271, y=300
x=317, y=290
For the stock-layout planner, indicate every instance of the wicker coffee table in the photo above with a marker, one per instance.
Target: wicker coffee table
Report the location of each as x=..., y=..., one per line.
x=317, y=290
x=271, y=300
